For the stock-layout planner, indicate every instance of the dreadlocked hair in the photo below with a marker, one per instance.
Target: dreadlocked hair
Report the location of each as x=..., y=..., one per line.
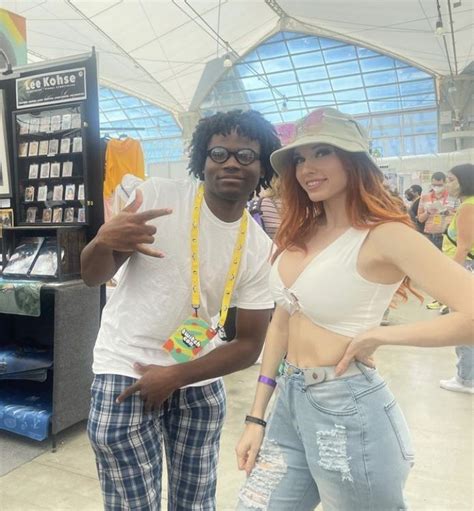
x=368, y=204
x=250, y=124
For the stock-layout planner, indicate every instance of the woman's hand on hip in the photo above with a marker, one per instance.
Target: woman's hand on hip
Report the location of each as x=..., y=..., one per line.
x=361, y=348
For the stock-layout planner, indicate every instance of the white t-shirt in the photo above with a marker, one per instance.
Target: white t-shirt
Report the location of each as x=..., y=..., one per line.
x=153, y=296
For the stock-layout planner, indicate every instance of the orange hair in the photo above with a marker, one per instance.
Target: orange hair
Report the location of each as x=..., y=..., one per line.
x=368, y=204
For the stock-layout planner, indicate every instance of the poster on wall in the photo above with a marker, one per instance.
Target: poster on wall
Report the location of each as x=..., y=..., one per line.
x=12, y=38
x=5, y=188
x=51, y=88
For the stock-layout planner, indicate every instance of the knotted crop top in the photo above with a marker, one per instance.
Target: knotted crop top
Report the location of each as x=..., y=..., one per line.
x=331, y=292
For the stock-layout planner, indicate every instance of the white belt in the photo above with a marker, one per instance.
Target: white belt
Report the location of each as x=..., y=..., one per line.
x=315, y=375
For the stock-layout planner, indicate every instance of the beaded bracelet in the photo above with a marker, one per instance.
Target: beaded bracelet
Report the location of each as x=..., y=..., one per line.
x=255, y=420
x=268, y=381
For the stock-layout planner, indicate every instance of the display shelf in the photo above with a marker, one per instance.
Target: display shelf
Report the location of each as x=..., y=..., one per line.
x=50, y=166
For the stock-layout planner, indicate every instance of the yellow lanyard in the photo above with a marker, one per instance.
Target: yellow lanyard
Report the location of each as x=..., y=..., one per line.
x=234, y=265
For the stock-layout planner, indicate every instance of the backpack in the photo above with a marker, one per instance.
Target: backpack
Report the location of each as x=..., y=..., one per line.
x=255, y=210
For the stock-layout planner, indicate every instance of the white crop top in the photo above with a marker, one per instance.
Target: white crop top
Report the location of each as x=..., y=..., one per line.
x=331, y=292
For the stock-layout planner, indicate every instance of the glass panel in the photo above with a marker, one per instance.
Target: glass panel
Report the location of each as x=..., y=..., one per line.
x=129, y=102
x=260, y=95
x=408, y=145
x=315, y=87
x=329, y=43
x=385, y=91
x=133, y=113
x=289, y=91
x=302, y=45
x=426, y=144
x=417, y=87
x=338, y=54
x=252, y=69
x=252, y=56
x=365, y=52
x=105, y=94
x=254, y=82
x=282, y=78
x=354, y=108
x=364, y=122
x=121, y=123
x=351, y=95
x=380, y=78
x=345, y=68
x=115, y=115
x=312, y=73
x=272, y=50
x=109, y=104
x=280, y=64
x=265, y=106
x=411, y=73
x=414, y=101
x=279, y=37
x=347, y=83
x=319, y=100
x=377, y=63
x=308, y=59
x=144, y=122
x=383, y=105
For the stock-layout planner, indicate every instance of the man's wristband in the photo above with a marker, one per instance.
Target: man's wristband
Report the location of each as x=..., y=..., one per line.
x=255, y=420
x=268, y=381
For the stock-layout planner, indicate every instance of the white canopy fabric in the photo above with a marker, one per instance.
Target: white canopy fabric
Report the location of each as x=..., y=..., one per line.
x=157, y=49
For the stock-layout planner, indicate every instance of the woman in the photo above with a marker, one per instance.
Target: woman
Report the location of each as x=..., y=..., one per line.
x=458, y=244
x=336, y=435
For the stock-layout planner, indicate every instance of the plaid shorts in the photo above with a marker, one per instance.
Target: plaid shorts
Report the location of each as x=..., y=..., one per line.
x=128, y=446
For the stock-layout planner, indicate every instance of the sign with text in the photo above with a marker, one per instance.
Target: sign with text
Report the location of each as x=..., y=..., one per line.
x=51, y=88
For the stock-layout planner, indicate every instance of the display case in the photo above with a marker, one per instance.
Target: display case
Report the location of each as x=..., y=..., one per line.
x=42, y=253
x=50, y=165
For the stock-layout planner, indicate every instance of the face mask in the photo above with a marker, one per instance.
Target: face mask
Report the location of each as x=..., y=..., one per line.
x=453, y=188
x=438, y=188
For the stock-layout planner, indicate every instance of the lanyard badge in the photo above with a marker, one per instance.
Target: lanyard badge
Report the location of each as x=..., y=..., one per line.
x=188, y=340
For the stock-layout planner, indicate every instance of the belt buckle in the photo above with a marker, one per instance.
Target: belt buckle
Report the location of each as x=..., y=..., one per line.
x=314, y=376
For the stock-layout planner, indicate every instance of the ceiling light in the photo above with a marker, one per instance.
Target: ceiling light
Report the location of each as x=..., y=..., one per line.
x=227, y=62
x=284, y=106
x=440, y=30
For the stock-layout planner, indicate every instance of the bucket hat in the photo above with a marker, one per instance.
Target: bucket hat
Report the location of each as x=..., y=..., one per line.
x=323, y=126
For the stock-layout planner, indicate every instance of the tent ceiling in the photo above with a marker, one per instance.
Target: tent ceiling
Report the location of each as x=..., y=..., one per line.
x=157, y=49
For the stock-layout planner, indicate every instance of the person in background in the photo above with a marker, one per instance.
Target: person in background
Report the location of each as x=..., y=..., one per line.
x=413, y=196
x=435, y=210
x=336, y=435
x=270, y=207
x=458, y=243
x=157, y=362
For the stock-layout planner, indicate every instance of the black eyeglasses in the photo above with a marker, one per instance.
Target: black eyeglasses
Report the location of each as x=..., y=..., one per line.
x=220, y=154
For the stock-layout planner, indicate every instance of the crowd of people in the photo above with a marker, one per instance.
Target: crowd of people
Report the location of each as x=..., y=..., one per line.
x=343, y=246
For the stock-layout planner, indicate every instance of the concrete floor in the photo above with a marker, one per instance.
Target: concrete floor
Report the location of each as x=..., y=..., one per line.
x=441, y=423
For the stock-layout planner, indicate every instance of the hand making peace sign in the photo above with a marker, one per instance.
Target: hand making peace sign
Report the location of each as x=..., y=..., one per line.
x=129, y=232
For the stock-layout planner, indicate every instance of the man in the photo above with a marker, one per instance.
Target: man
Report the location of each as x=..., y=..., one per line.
x=436, y=209
x=413, y=195
x=156, y=362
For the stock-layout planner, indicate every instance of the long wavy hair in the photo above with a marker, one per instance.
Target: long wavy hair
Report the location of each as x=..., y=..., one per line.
x=369, y=203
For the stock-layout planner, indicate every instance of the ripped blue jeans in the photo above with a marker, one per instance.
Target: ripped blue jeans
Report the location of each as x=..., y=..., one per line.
x=343, y=443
